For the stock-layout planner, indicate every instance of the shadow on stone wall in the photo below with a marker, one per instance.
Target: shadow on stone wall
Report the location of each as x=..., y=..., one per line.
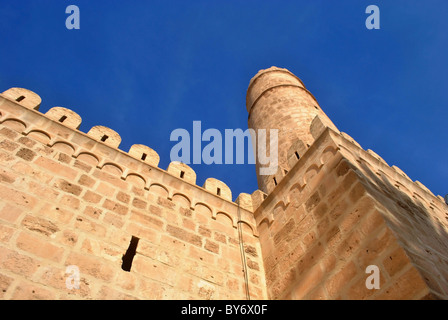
x=416, y=223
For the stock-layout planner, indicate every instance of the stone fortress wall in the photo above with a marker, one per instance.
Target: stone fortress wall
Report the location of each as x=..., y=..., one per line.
x=74, y=198
x=137, y=231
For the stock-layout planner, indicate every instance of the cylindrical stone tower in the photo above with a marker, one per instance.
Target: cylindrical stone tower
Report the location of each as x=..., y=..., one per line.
x=277, y=99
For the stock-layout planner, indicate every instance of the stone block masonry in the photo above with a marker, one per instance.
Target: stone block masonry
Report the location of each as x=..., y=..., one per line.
x=136, y=231
x=69, y=198
x=334, y=209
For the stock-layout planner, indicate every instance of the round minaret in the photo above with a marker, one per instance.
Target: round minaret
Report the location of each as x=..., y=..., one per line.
x=277, y=99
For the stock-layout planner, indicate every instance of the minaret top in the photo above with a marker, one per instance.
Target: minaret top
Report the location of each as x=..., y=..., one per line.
x=267, y=79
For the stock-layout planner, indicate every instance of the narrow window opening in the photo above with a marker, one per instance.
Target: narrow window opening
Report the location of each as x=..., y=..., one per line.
x=264, y=196
x=286, y=171
x=182, y=174
x=128, y=257
x=144, y=156
x=21, y=98
x=218, y=191
x=275, y=181
x=297, y=155
x=63, y=118
x=104, y=138
x=316, y=107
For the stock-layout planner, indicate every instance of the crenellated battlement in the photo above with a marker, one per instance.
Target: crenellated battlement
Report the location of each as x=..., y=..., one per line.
x=315, y=158
x=59, y=128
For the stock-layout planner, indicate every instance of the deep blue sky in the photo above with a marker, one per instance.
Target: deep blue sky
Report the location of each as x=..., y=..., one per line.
x=145, y=68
